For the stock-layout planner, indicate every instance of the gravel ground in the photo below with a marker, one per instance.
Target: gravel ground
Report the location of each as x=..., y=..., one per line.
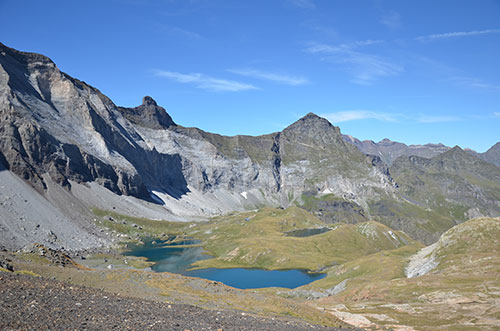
x=35, y=303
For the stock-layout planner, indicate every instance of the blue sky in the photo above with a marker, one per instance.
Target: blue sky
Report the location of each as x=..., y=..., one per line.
x=412, y=71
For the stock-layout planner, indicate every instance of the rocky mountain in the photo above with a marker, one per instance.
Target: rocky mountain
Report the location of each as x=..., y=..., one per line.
x=449, y=188
x=492, y=155
x=58, y=129
x=389, y=150
x=75, y=147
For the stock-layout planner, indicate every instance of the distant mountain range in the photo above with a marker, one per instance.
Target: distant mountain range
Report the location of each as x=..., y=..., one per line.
x=69, y=141
x=389, y=150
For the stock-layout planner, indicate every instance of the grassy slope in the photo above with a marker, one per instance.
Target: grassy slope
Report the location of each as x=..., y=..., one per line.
x=463, y=292
x=261, y=241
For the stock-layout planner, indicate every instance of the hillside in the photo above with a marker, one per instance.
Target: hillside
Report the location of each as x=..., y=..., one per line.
x=449, y=285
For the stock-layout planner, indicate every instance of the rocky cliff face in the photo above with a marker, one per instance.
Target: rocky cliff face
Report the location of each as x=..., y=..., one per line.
x=55, y=124
x=51, y=123
x=56, y=127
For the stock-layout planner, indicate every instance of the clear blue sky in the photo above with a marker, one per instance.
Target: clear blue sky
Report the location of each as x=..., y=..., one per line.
x=412, y=71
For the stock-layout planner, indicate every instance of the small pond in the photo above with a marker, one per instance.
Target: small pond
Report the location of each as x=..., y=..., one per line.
x=307, y=232
x=177, y=257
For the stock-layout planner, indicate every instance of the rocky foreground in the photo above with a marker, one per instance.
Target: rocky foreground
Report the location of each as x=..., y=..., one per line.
x=36, y=303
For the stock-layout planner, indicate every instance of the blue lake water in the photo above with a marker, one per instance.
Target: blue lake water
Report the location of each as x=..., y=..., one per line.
x=257, y=278
x=177, y=258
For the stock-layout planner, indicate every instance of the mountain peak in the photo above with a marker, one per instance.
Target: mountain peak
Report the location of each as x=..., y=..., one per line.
x=311, y=122
x=312, y=115
x=314, y=129
x=24, y=57
x=492, y=155
x=148, y=101
x=148, y=114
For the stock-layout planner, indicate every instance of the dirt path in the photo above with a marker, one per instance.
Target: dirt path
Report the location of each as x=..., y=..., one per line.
x=37, y=303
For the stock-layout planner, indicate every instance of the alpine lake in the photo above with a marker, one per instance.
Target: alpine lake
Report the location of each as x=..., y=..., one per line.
x=177, y=256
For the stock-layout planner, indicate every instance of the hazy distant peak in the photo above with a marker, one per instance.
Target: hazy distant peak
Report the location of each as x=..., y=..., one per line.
x=456, y=149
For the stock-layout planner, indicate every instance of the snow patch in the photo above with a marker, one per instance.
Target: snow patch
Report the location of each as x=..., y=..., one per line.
x=327, y=191
x=244, y=194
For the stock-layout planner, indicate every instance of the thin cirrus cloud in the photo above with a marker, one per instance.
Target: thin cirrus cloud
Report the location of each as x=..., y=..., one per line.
x=391, y=19
x=440, y=36
x=353, y=115
x=496, y=114
x=437, y=119
x=183, y=33
x=308, y=4
x=270, y=76
x=364, y=68
x=205, y=82
x=473, y=82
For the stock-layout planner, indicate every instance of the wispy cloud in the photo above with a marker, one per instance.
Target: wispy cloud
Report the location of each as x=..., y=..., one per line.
x=179, y=32
x=437, y=119
x=324, y=48
x=496, y=114
x=475, y=83
x=365, y=68
x=270, y=76
x=308, y=4
x=391, y=18
x=205, y=82
x=440, y=36
x=353, y=115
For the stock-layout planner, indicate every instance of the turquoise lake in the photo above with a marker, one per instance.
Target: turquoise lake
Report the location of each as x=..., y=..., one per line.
x=178, y=258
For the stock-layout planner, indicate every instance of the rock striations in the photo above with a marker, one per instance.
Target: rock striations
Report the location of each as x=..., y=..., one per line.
x=57, y=129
